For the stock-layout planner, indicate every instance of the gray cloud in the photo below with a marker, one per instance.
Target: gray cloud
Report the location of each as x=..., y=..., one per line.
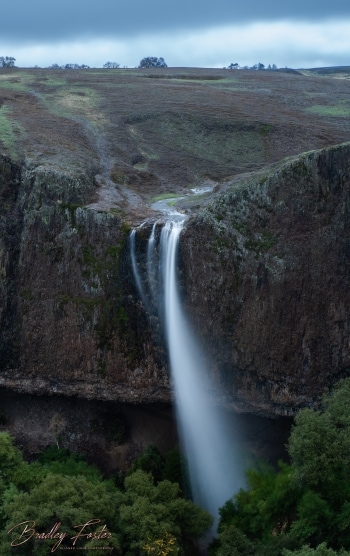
x=59, y=20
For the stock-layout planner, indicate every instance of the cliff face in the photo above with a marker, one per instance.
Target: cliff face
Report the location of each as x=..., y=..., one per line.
x=70, y=319
x=264, y=275
x=266, y=268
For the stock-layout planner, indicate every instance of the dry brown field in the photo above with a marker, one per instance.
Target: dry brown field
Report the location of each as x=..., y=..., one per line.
x=161, y=131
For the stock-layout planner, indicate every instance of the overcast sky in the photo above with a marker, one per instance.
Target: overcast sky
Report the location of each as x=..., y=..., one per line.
x=205, y=33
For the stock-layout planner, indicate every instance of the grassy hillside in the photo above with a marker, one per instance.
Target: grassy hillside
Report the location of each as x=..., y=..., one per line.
x=160, y=130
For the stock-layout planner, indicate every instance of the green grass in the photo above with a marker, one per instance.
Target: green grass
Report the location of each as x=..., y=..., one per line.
x=15, y=81
x=195, y=81
x=112, y=72
x=233, y=89
x=219, y=83
x=314, y=94
x=7, y=130
x=200, y=138
x=230, y=83
x=53, y=81
x=165, y=196
x=143, y=146
x=341, y=110
x=63, y=100
x=75, y=101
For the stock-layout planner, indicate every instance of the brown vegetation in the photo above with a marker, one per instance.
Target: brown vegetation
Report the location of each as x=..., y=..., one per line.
x=155, y=131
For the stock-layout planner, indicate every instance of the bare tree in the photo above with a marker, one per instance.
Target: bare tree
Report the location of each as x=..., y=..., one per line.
x=56, y=427
x=111, y=65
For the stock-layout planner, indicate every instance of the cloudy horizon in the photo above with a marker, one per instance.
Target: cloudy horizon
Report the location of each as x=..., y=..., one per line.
x=214, y=35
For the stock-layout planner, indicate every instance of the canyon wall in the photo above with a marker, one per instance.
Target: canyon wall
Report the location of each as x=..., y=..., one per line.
x=263, y=270
x=71, y=322
x=266, y=276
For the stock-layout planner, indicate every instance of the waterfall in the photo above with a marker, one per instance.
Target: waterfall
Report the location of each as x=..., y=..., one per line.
x=206, y=436
x=135, y=267
x=152, y=263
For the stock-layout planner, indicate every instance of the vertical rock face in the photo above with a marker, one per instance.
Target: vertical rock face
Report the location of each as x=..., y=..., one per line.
x=70, y=320
x=11, y=217
x=266, y=270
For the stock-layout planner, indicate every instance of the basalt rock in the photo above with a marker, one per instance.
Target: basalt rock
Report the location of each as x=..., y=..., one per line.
x=71, y=322
x=266, y=277
x=263, y=270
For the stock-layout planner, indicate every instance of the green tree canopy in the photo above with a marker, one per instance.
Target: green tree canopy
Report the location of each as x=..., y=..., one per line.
x=61, y=490
x=321, y=550
x=319, y=444
x=304, y=506
x=152, y=62
x=10, y=458
x=148, y=513
x=7, y=61
x=68, y=501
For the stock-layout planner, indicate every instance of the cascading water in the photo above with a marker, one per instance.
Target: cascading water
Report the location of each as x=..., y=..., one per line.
x=206, y=436
x=135, y=268
x=152, y=263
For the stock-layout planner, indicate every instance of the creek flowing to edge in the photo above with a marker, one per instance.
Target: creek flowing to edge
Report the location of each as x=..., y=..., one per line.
x=206, y=434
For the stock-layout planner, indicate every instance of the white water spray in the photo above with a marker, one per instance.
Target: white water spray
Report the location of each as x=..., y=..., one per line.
x=152, y=263
x=135, y=267
x=208, y=441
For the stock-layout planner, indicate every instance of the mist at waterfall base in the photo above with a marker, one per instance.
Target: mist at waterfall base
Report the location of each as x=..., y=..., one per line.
x=206, y=433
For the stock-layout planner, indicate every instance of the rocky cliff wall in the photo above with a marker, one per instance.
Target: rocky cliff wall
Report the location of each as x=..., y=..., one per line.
x=71, y=322
x=264, y=273
x=266, y=276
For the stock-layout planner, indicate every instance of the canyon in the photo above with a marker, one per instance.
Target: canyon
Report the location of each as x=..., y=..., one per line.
x=263, y=258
